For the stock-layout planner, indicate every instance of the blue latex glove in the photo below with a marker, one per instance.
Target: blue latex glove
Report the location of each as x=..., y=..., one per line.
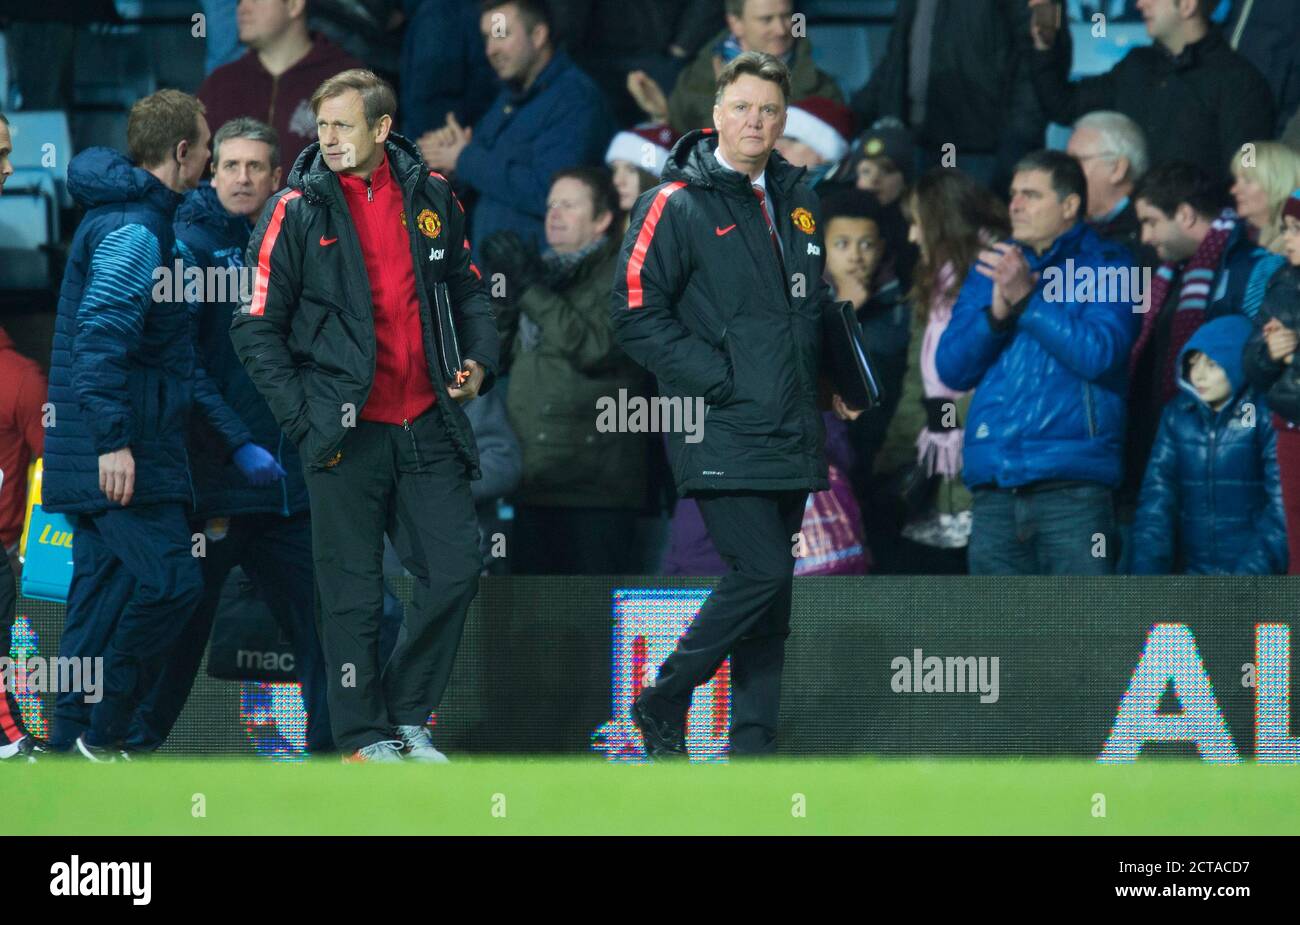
x=257, y=465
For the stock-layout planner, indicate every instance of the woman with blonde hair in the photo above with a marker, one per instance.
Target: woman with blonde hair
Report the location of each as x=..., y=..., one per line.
x=1266, y=173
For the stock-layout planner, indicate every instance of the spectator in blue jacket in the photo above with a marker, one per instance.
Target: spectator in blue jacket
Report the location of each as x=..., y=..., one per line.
x=121, y=385
x=250, y=506
x=1211, y=502
x=1041, y=331
x=548, y=116
x=444, y=68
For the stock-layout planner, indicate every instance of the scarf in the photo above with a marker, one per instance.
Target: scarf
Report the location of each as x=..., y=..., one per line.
x=557, y=270
x=1194, y=291
x=938, y=448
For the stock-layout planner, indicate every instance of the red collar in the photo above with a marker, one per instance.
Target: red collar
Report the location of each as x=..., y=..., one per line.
x=380, y=178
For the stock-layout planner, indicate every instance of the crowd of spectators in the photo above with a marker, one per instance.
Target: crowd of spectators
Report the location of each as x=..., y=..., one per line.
x=1030, y=423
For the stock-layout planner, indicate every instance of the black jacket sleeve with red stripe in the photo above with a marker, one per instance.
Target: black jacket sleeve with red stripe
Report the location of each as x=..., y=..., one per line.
x=653, y=268
x=260, y=331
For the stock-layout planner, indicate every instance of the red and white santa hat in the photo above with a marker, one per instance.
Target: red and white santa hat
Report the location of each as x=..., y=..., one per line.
x=823, y=124
x=646, y=146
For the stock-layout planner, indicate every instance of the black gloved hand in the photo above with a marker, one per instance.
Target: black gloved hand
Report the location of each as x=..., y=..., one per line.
x=506, y=253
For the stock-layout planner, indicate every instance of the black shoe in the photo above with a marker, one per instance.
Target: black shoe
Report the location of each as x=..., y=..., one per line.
x=99, y=754
x=662, y=740
x=28, y=749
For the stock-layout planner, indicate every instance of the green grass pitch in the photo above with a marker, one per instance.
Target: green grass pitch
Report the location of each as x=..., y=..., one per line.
x=577, y=796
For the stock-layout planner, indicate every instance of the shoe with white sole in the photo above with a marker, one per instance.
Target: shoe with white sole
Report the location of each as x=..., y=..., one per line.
x=388, y=751
x=99, y=754
x=417, y=745
x=28, y=749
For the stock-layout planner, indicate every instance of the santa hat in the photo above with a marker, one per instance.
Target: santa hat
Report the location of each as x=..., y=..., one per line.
x=1291, y=208
x=646, y=146
x=824, y=125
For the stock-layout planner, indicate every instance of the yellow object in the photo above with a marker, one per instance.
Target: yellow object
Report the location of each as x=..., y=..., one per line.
x=33, y=498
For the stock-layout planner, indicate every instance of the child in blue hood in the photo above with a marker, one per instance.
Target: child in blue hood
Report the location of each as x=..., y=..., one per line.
x=1211, y=501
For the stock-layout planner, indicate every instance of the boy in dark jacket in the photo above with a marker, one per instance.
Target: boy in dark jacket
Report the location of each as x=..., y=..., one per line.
x=1211, y=503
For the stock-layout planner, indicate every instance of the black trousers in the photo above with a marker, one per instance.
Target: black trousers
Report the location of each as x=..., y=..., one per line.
x=747, y=616
x=11, y=717
x=275, y=552
x=407, y=482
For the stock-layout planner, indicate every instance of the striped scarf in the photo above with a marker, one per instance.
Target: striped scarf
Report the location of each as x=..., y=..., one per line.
x=1194, y=291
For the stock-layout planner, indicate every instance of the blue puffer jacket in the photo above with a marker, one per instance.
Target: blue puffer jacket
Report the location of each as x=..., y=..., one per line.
x=234, y=412
x=1050, y=384
x=560, y=121
x=121, y=369
x=1211, y=502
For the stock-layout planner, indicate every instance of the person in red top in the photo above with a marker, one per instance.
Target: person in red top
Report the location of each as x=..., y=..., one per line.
x=274, y=80
x=361, y=265
x=22, y=393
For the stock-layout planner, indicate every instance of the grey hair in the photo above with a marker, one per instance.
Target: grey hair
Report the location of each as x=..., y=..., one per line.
x=253, y=130
x=1121, y=137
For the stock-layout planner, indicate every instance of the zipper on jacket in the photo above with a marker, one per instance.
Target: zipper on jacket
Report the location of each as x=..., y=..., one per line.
x=1088, y=411
x=284, y=479
x=415, y=447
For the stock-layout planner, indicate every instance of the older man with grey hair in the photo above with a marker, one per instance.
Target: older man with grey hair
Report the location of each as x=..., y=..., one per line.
x=1112, y=150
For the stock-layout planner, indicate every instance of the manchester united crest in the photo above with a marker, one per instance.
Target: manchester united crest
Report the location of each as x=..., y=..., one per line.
x=803, y=220
x=429, y=224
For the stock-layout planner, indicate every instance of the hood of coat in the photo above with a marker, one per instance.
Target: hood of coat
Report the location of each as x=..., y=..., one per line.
x=692, y=161
x=1223, y=341
x=102, y=176
x=311, y=175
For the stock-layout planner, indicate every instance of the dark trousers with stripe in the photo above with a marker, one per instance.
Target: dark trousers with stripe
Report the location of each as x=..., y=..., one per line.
x=747, y=616
x=135, y=583
x=11, y=717
x=275, y=552
x=407, y=482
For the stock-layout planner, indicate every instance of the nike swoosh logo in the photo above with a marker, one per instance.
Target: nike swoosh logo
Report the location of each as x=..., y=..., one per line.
x=326, y=242
x=722, y=231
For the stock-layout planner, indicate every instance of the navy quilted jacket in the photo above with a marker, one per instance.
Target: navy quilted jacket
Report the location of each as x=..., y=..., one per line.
x=1050, y=383
x=121, y=369
x=1211, y=502
x=234, y=412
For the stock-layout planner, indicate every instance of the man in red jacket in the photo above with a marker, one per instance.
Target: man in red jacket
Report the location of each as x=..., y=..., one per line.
x=274, y=81
x=362, y=268
x=22, y=393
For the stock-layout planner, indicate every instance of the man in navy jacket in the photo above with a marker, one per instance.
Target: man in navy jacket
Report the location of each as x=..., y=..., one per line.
x=548, y=116
x=250, y=505
x=1042, y=330
x=121, y=385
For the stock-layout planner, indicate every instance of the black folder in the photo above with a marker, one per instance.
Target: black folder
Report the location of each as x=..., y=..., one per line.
x=847, y=363
x=449, y=358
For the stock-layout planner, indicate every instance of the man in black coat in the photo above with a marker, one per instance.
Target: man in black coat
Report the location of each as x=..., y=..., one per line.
x=719, y=294
x=362, y=265
x=1194, y=98
x=956, y=72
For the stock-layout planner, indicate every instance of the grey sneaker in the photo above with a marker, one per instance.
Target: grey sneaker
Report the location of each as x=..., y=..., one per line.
x=388, y=751
x=417, y=745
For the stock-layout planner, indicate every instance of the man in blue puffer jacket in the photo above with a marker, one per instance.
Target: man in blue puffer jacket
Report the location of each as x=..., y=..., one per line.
x=1041, y=331
x=251, y=506
x=121, y=385
x=1211, y=502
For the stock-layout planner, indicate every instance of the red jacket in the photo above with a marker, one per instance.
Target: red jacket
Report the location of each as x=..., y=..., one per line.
x=402, y=389
x=246, y=88
x=22, y=439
